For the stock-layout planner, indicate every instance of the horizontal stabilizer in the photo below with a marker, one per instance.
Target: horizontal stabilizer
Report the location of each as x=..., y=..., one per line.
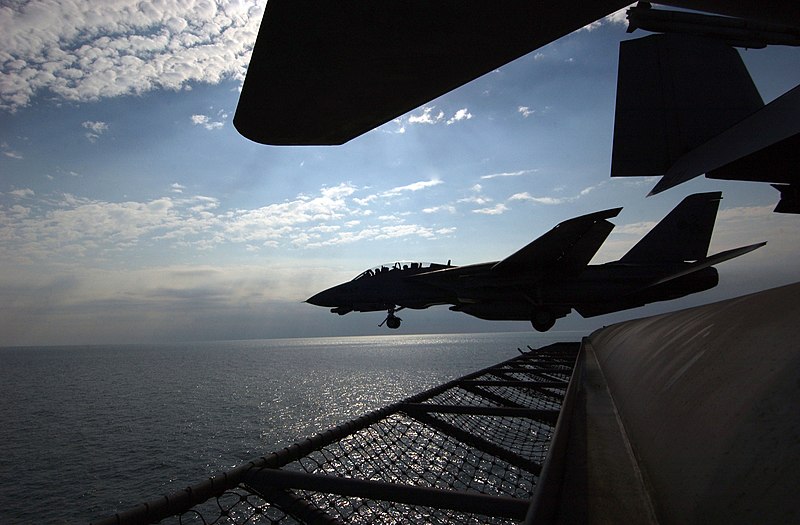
x=683, y=235
x=324, y=72
x=674, y=93
x=709, y=261
x=566, y=249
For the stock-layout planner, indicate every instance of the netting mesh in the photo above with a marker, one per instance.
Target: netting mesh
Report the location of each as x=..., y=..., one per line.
x=234, y=507
x=484, y=436
x=400, y=449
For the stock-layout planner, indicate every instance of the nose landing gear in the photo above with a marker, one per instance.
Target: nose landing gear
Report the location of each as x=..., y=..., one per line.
x=392, y=321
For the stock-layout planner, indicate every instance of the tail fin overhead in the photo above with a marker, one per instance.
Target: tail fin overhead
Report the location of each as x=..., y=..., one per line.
x=683, y=235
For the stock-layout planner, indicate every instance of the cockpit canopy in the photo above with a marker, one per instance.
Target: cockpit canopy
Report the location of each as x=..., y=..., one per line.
x=401, y=265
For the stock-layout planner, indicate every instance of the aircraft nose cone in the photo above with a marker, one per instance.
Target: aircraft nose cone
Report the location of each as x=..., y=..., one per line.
x=323, y=298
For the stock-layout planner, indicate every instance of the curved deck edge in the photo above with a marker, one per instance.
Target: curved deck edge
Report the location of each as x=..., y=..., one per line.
x=708, y=400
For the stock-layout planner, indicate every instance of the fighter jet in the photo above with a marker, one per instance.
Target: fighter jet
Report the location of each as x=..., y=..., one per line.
x=551, y=276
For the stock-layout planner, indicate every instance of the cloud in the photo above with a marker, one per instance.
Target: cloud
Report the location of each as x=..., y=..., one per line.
x=426, y=117
x=378, y=233
x=508, y=174
x=498, y=209
x=85, y=51
x=525, y=196
x=96, y=128
x=525, y=111
x=95, y=305
x=461, y=114
x=22, y=193
x=416, y=186
x=8, y=152
x=617, y=17
x=437, y=209
x=638, y=229
x=67, y=227
x=366, y=200
x=208, y=123
x=476, y=199
x=400, y=126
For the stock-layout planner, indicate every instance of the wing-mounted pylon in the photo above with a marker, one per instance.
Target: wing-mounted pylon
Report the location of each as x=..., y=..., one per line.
x=564, y=250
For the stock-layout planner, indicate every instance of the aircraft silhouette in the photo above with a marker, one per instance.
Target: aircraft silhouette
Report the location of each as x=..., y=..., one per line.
x=549, y=277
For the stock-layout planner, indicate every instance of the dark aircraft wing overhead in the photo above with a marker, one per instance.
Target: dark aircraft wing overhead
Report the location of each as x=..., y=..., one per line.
x=324, y=72
x=565, y=250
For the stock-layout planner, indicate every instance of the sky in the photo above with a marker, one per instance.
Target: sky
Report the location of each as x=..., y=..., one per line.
x=131, y=210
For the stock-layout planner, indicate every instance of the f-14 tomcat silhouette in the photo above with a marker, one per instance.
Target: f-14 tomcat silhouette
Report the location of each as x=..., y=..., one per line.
x=549, y=277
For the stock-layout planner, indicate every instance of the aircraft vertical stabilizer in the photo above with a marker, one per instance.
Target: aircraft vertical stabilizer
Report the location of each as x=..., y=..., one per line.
x=683, y=235
x=675, y=92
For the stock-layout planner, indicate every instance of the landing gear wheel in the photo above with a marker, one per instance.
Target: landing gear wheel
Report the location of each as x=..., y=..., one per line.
x=543, y=320
x=392, y=321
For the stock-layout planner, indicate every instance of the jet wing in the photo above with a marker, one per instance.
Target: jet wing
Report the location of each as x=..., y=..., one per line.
x=565, y=250
x=324, y=72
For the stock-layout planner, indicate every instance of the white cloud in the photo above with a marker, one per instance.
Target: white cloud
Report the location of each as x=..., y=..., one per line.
x=84, y=51
x=525, y=196
x=617, y=17
x=447, y=208
x=22, y=193
x=96, y=128
x=399, y=128
x=498, y=209
x=476, y=199
x=366, y=200
x=10, y=153
x=508, y=174
x=416, y=186
x=426, y=117
x=71, y=228
x=525, y=111
x=461, y=114
x=386, y=232
x=207, y=122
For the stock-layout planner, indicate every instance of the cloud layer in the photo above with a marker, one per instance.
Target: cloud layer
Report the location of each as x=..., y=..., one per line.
x=40, y=228
x=83, y=51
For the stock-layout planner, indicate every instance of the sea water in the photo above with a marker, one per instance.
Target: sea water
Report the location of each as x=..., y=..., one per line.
x=86, y=431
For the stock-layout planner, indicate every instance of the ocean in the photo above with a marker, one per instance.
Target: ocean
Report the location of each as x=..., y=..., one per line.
x=91, y=430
